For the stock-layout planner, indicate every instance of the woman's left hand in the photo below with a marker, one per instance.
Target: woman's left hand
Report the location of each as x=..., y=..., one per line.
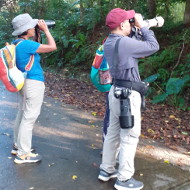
x=42, y=25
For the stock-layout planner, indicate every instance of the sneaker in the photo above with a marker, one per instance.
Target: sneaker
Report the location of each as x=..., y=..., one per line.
x=27, y=158
x=130, y=184
x=15, y=149
x=104, y=176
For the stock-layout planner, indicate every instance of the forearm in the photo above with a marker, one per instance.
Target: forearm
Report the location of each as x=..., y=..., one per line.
x=149, y=37
x=50, y=46
x=50, y=39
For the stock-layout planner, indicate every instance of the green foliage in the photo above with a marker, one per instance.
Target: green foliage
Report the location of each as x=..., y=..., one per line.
x=164, y=59
x=5, y=28
x=151, y=78
x=174, y=88
x=172, y=11
x=173, y=71
x=80, y=28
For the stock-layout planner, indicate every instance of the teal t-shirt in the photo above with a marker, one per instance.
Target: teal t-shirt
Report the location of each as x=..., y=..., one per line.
x=24, y=50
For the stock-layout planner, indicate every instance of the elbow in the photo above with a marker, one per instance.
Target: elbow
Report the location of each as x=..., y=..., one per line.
x=156, y=47
x=54, y=48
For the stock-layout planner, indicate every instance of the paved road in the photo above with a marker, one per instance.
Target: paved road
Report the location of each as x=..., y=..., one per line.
x=70, y=141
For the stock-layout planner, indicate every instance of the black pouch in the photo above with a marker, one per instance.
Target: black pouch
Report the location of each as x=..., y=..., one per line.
x=141, y=87
x=126, y=119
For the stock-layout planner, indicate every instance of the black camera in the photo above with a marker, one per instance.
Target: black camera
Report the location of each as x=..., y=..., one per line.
x=126, y=119
x=50, y=23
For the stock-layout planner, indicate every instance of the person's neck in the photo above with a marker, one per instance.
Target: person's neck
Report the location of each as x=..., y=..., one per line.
x=120, y=32
x=24, y=37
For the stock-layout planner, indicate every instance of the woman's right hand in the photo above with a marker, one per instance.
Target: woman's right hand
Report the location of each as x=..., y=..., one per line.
x=51, y=45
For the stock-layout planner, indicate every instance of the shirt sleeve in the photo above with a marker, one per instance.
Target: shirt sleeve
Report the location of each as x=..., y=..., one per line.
x=138, y=49
x=31, y=47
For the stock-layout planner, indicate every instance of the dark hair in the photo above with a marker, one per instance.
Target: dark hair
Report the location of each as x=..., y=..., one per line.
x=23, y=34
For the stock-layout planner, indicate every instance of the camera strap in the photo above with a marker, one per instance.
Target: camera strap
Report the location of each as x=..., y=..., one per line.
x=116, y=57
x=140, y=87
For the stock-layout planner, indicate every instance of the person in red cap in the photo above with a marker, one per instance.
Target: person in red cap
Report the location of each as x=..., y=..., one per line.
x=125, y=97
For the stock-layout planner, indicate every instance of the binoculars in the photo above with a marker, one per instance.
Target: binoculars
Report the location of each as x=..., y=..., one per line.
x=50, y=23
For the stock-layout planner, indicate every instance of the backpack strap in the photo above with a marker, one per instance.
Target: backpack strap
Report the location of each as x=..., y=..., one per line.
x=30, y=63
x=104, y=40
x=31, y=60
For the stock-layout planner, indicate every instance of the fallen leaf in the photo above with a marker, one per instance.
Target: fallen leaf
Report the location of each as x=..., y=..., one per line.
x=94, y=113
x=50, y=164
x=90, y=121
x=74, y=177
x=150, y=147
x=184, y=133
x=166, y=161
x=7, y=134
x=151, y=131
x=172, y=117
x=94, y=164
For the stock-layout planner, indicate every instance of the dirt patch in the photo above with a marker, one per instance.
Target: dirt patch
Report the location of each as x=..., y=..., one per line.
x=160, y=122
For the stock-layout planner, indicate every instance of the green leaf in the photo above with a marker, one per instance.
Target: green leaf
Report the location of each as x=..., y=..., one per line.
x=174, y=85
x=184, y=133
x=159, y=98
x=151, y=78
x=186, y=78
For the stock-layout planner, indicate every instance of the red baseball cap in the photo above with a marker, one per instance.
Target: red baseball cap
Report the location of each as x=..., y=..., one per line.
x=116, y=16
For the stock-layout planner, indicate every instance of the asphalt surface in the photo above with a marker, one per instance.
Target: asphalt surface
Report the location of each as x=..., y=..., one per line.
x=70, y=141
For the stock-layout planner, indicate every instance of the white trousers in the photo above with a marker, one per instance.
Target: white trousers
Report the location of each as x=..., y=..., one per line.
x=31, y=98
x=123, y=140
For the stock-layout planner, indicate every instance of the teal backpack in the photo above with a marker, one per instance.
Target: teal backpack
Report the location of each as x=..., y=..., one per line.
x=100, y=75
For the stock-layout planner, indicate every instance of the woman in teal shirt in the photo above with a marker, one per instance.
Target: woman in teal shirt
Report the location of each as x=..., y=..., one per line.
x=32, y=93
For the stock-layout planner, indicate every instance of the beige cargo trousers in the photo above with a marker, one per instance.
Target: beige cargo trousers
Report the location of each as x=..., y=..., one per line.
x=123, y=140
x=30, y=102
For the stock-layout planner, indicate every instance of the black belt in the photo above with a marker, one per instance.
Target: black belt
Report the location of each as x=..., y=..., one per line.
x=141, y=87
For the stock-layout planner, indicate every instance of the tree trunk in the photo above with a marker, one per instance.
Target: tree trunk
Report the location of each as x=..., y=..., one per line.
x=152, y=8
x=187, y=13
x=167, y=8
x=90, y=3
x=81, y=10
x=112, y=3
